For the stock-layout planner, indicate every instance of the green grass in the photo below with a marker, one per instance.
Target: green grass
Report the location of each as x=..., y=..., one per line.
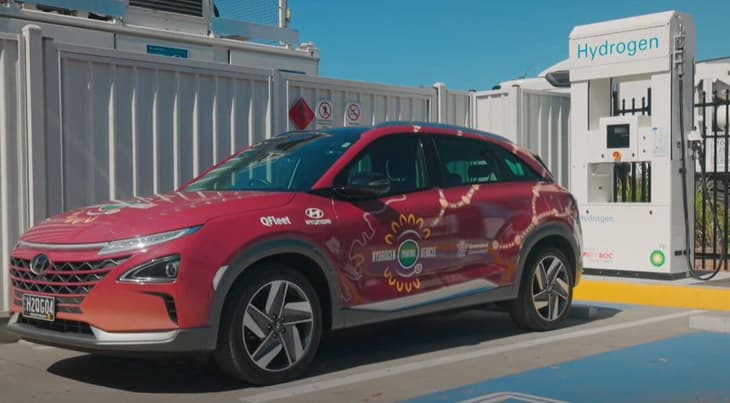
x=715, y=220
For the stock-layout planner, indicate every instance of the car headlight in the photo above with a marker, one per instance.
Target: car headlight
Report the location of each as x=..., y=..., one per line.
x=146, y=241
x=162, y=270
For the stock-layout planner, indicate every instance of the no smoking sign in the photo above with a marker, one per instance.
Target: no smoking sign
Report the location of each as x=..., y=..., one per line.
x=352, y=114
x=324, y=111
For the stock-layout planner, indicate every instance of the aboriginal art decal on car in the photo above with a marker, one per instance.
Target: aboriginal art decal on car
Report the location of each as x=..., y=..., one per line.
x=405, y=253
x=90, y=214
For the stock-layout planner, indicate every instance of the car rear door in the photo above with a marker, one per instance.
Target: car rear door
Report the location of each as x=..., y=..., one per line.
x=487, y=197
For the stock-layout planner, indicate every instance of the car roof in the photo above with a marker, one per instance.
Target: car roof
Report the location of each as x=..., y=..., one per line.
x=333, y=131
x=444, y=126
x=358, y=130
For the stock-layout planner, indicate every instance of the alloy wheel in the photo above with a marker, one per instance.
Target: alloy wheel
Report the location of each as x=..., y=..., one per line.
x=550, y=288
x=277, y=326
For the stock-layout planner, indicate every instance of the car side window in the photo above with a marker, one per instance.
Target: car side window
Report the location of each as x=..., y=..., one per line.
x=515, y=169
x=466, y=161
x=399, y=157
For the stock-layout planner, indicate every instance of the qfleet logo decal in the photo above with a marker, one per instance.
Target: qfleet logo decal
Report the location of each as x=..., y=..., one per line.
x=629, y=48
x=271, y=221
x=403, y=259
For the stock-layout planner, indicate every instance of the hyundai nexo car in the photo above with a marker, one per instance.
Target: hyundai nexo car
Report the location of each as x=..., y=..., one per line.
x=306, y=232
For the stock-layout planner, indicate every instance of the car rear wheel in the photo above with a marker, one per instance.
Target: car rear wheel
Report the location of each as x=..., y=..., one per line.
x=271, y=328
x=546, y=291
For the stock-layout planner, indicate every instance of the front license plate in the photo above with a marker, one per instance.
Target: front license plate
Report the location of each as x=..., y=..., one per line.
x=39, y=307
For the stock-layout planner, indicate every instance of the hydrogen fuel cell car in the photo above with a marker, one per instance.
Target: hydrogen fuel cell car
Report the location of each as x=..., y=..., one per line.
x=305, y=232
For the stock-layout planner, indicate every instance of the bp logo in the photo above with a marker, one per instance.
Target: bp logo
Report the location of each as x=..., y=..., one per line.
x=406, y=253
x=657, y=258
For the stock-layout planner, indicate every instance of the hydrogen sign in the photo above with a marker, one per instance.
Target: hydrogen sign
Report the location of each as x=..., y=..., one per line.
x=619, y=47
x=630, y=48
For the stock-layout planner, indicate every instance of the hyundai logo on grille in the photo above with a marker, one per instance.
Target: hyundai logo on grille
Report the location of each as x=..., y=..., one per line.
x=314, y=213
x=39, y=264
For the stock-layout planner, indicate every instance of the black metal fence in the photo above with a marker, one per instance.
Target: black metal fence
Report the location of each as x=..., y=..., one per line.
x=619, y=108
x=631, y=180
x=712, y=180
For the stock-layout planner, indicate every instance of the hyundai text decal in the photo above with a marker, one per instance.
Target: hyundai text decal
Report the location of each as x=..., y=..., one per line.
x=609, y=48
x=316, y=217
x=270, y=221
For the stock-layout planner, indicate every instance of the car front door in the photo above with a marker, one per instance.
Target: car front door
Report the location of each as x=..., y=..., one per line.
x=392, y=247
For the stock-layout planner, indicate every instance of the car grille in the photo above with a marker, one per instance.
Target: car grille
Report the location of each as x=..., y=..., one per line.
x=58, y=325
x=67, y=282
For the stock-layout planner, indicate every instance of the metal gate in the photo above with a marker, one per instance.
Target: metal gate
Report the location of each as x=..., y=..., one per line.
x=712, y=181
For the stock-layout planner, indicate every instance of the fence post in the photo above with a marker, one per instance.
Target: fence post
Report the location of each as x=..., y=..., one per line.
x=472, y=109
x=278, y=103
x=35, y=122
x=442, y=95
x=517, y=119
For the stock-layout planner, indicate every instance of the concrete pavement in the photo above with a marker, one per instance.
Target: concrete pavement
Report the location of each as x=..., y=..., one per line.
x=405, y=359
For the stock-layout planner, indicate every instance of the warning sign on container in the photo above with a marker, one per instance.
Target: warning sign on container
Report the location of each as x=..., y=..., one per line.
x=301, y=114
x=352, y=114
x=325, y=114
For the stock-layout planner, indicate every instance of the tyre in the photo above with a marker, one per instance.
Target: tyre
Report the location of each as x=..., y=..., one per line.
x=270, y=328
x=546, y=291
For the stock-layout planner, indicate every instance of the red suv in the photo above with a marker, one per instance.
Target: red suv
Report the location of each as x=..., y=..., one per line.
x=305, y=232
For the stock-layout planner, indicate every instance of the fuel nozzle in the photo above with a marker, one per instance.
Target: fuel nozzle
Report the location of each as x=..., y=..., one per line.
x=694, y=142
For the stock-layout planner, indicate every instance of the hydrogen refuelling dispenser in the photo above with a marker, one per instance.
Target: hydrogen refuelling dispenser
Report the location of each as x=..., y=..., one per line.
x=628, y=143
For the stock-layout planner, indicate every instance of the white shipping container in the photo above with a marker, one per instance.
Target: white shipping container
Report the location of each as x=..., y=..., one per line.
x=536, y=120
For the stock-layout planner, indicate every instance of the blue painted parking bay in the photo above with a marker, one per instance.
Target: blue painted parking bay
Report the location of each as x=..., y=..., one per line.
x=688, y=368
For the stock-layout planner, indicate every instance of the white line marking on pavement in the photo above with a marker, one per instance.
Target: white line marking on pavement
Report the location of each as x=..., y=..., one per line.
x=717, y=324
x=338, y=381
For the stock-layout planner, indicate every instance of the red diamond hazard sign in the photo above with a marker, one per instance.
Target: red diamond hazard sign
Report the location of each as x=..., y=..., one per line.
x=301, y=114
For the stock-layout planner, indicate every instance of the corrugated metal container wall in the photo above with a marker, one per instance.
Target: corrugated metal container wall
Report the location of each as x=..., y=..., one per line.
x=378, y=103
x=496, y=112
x=536, y=120
x=458, y=108
x=545, y=127
x=13, y=191
x=138, y=125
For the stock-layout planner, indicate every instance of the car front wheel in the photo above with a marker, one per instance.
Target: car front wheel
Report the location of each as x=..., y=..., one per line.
x=271, y=330
x=546, y=291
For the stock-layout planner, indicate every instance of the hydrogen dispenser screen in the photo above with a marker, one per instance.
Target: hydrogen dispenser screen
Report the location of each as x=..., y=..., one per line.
x=617, y=136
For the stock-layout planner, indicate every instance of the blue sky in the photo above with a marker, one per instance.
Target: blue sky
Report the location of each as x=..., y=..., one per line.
x=469, y=44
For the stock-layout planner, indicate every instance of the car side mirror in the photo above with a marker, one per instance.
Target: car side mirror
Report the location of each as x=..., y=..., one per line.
x=366, y=184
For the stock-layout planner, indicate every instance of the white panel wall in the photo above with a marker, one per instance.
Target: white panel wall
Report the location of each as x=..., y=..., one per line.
x=136, y=125
x=545, y=129
x=536, y=120
x=454, y=107
x=496, y=112
x=378, y=103
x=458, y=108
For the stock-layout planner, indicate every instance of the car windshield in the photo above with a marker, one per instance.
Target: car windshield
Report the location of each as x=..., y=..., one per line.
x=290, y=162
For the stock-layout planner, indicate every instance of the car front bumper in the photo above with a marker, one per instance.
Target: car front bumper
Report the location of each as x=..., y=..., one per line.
x=172, y=341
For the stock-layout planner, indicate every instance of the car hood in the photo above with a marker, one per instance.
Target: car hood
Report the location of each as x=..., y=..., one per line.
x=148, y=215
